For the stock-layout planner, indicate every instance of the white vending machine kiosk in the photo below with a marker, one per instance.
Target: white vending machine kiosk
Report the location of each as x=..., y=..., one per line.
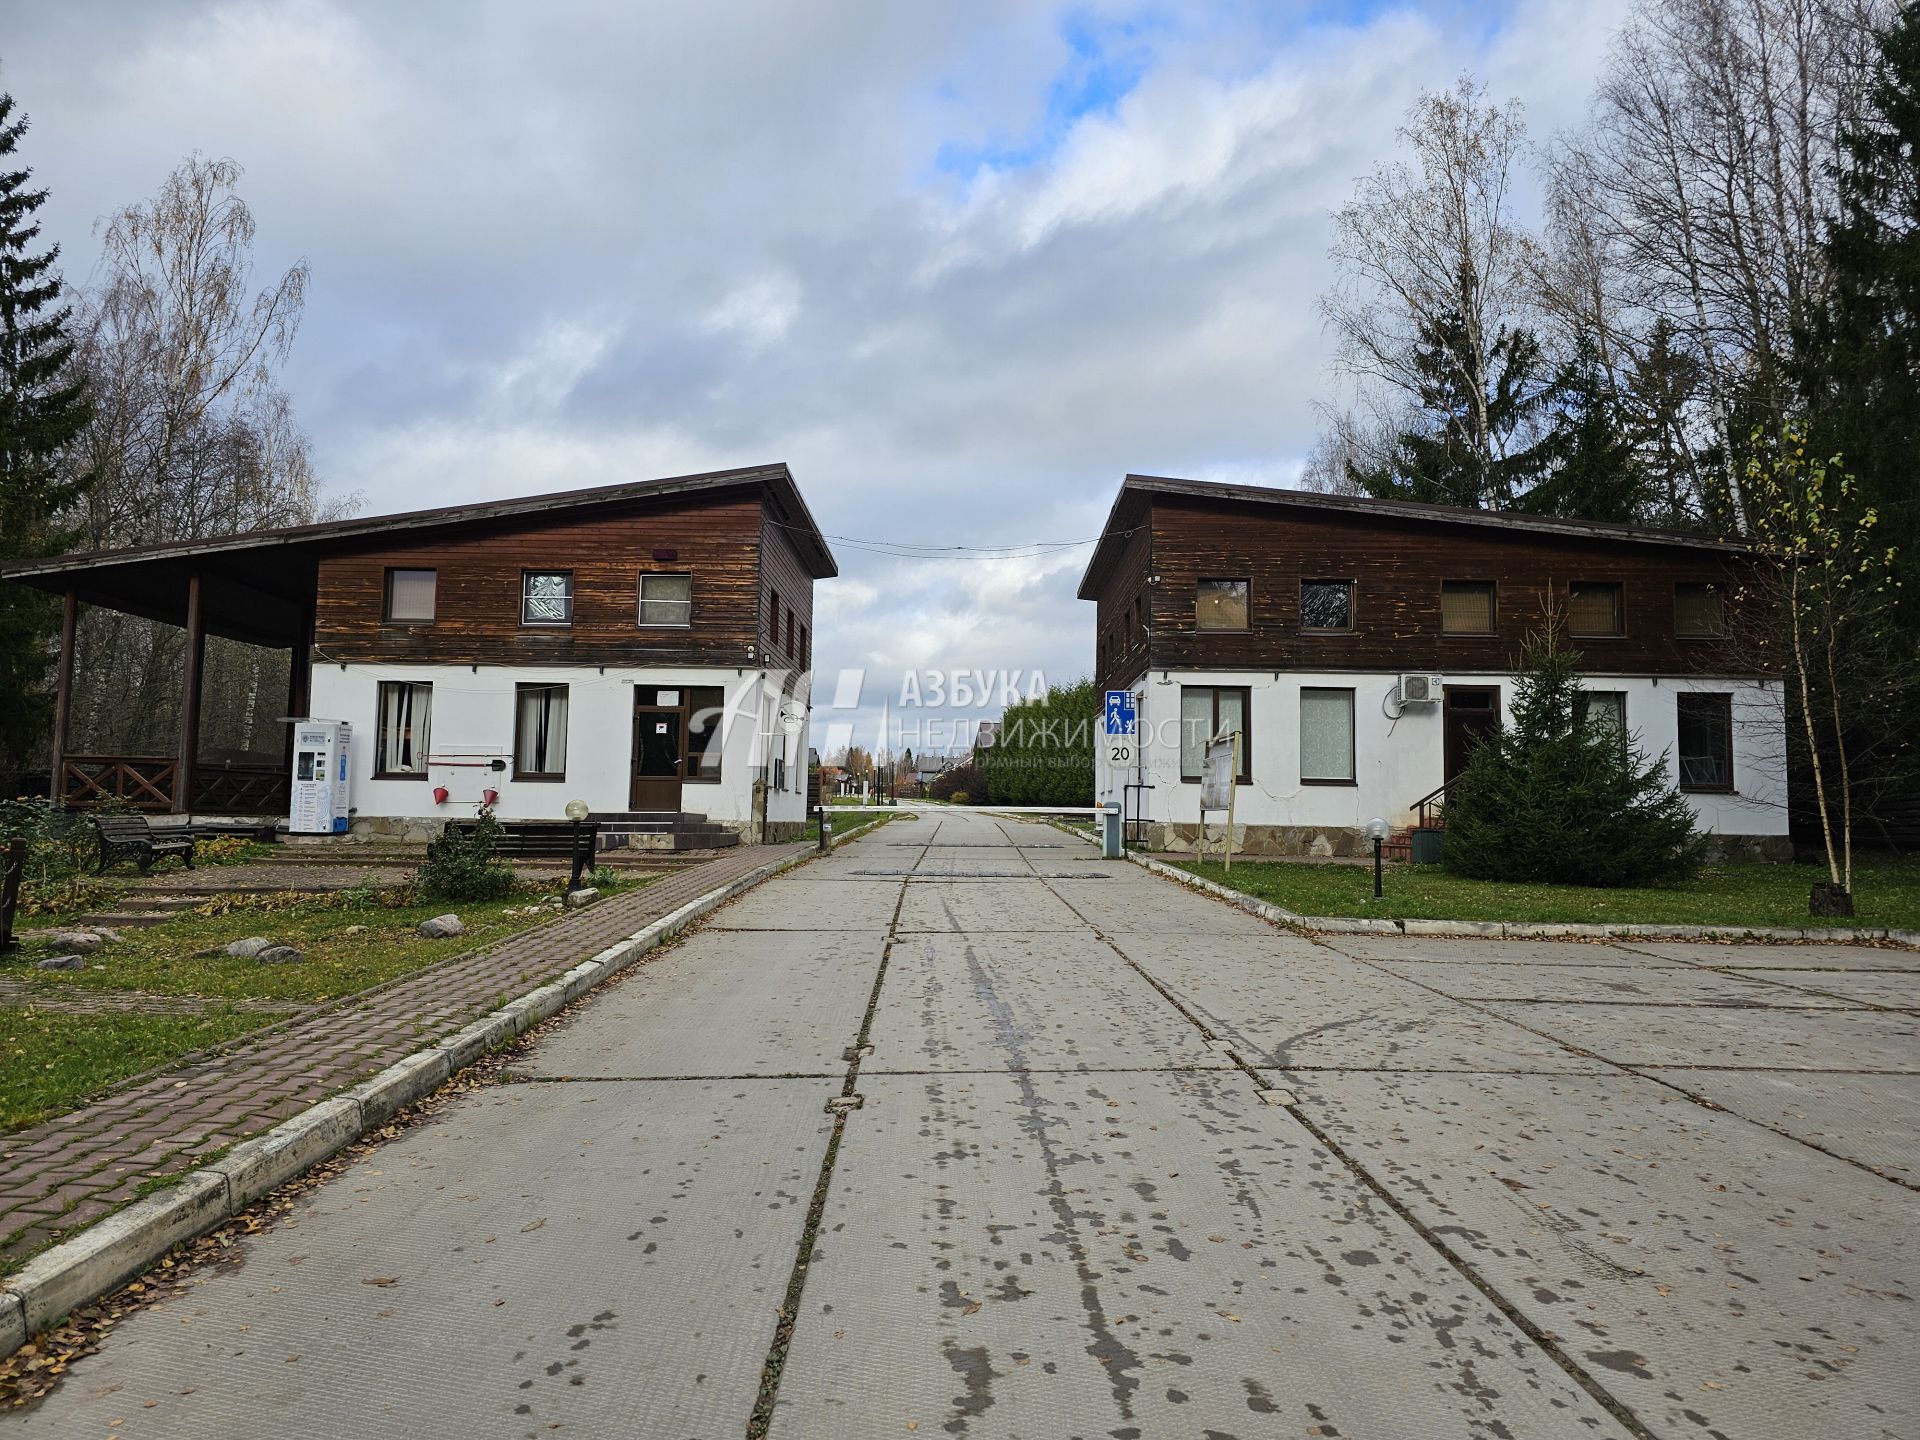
x=320, y=792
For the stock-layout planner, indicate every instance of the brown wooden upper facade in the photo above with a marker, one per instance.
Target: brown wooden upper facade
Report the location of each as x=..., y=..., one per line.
x=710, y=569
x=1191, y=575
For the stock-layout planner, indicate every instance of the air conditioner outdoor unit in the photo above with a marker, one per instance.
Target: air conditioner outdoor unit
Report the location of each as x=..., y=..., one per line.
x=1419, y=689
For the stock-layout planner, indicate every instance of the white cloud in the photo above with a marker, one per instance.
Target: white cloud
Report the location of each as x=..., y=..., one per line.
x=564, y=245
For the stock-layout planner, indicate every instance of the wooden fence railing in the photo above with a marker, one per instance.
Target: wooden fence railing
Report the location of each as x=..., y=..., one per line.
x=146, y=782
x=141, y=782
x=241, y=789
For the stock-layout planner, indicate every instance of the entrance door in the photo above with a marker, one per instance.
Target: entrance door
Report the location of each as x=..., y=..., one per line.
x=659, y=747
x=1472, y=714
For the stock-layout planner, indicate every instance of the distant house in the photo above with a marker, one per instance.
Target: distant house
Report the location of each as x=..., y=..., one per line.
x=642, y=647
x=986, y=734
x=1361, y=648
x=928, y=768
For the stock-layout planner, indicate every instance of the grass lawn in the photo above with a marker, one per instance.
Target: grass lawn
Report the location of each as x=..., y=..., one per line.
x=51, y=1061
x=1885, y=892
x=48, y=1062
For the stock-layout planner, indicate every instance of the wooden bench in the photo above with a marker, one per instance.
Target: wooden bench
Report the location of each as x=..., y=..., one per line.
x=132, y=837
x=539, y=840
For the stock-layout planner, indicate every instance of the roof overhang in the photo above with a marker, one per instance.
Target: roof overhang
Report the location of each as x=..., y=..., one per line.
x=259, y=586
x=1133, y=505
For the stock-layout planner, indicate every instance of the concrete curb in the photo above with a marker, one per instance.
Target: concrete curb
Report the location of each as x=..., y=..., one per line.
x=105, y=1256
x=1503, y=930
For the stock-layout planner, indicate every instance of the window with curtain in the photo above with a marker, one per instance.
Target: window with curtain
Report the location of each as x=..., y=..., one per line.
x=1466, y=607
x=540, y=732
x=1699, y=610
x=1207, y=711
x=1326, y=736
x=1706, y=742
x=546, y=597
x=1221, y=604
x=406, y=712
x=1326, y=604
x=410, y=595
x=1593, y=608
x=1605, y=709
x=666, y=600
x=706, y=728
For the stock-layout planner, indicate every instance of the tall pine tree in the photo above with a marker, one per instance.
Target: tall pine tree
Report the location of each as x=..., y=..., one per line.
x=43, y=406
x=1440, y=462
x=1859, y=353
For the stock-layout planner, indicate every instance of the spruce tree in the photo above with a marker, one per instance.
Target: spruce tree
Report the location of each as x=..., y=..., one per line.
x=43, y=407
x=1562, y=796
x=1439, y=462
x=1859, y=349
x=1592, y=472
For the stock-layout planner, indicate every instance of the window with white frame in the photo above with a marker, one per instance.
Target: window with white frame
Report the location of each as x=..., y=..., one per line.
x=546, y=597
x=666, y=600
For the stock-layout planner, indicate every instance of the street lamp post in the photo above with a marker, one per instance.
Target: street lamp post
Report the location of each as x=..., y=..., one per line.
x=1377, y=832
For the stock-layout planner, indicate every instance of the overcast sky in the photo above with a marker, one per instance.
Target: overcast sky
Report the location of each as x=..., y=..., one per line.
x=962, y=266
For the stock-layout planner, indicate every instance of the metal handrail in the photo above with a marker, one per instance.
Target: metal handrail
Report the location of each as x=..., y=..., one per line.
x=1430, y=809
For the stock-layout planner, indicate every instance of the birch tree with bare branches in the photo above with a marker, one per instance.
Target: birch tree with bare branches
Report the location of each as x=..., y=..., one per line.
x=192, y=436
x=1430, y=252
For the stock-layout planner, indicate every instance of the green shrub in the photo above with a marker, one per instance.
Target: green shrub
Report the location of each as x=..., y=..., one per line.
x=460, y=864
x=1563, y=797
x=1044, y=752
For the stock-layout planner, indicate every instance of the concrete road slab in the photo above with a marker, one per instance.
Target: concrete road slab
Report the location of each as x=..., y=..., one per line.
x=1873, y=1120
x=804, y=902
x=1493, y=951
x=1000, y=1002
x=724, y=1002
x=1787, y=957
x=539, y=1259
x=1145, y=1256
x=1009, y=906
x=997, y=861
x=1749, y=1039
x=1283, y=1001
x=1140, y=901
x=1203, y=952
x=1694, y=1261
x=1665, y=985
x=1897, y=988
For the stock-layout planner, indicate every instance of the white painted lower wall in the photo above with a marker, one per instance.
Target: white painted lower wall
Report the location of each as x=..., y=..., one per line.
x=1397, y=760
x=473, y=722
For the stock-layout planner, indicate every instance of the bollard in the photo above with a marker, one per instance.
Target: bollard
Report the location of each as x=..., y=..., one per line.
x=1111, y=847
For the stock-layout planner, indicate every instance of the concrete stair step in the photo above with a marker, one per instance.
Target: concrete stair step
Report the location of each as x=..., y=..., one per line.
x=126, y=919
x=159, y=904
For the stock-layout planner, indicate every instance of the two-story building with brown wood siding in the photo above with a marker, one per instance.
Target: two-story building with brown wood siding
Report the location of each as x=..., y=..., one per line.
x=1360, y=648
x=644, y=647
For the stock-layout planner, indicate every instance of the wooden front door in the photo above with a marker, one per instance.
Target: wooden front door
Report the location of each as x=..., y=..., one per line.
x=659, y=757
x=1472, y=713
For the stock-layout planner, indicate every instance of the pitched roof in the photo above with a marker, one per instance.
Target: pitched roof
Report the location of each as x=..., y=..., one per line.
x=1130, y=508
x=261, y=580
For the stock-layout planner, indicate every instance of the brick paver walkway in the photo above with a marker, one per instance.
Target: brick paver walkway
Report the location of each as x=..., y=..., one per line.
x=19, y=995
x=63, y=1175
